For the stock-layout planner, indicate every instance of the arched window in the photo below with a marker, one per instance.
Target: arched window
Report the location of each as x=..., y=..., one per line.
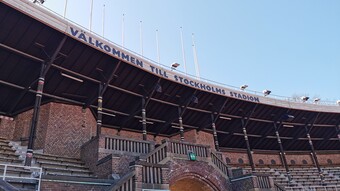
x=304, y=161
x=261, y=161
x=240, y=161
x=227, y=160
x=292, y=162
x=273, y=161
x=329, y=161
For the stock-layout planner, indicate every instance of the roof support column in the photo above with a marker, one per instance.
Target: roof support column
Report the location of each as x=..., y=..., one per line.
x=100, y=110
x=213, y=125
x=35, y=118
x=41, y=81
x=315, y=158
x=250, y=156
x=308, y=128
x=144, y=118
x=338, y=131
x=180, y=120
x=282, y=152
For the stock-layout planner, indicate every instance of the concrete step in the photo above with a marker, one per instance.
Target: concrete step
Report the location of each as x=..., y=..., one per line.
x=57, y=158
x=10, y=159
x=51, y=164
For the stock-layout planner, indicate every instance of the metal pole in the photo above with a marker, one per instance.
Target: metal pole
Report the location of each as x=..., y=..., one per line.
x=195, y=57
x=100, y=110
x=91, y=8
x=180, y=120
x=65, y=8
x=35, y=117
x=183, y=52
x=315, y=158
x=282, y=152
x=141, y=37
x=144, y=119
x=157, y=43
x=123, y=30
x=250, y=156
x=217, y=147
x=103, y=27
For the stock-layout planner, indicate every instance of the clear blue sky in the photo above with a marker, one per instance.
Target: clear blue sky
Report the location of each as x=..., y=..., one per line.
x=289, y=47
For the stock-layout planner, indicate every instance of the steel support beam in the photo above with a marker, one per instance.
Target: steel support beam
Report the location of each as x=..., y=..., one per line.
x=244, y=123
x=180, y=120
x=39, y=94
x=213, y=125
x=282, y=152
x=146, y=102
x=144, y=119
x=105, y=84
x=188, y=101
x=100, y=110
x=308, y=128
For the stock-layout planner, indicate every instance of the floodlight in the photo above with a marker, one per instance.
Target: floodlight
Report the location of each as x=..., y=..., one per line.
x=194, y=99
x=39, y=1
x=158, y=88
x=243, y=87
x=304, y=98
x=338, y=102
x=316, y=100
x=266, y=92
x=287, y=117
x=174, y=65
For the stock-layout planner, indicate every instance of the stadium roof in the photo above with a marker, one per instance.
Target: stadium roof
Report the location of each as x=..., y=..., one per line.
x=77, y=62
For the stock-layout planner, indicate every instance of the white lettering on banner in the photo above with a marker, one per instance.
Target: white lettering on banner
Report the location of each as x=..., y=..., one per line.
x=142, y=63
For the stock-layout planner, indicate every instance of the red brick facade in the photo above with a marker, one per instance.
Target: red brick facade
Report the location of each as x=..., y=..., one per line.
x=62, y=186
x=7, y=128
x=198, y=137
x=61, y=128
x=180, y=169
x=66, y=130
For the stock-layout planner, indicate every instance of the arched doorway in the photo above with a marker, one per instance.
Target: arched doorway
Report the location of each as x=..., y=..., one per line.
x=190, y=184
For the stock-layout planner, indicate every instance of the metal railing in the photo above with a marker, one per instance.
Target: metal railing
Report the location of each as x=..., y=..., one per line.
x=183, y=148
x=158, y=154
x=278, y=187
x=126, y=183
x=262, y=181
x=152, y=174
x=35, y=173
x=219, y=163
x=127, y=145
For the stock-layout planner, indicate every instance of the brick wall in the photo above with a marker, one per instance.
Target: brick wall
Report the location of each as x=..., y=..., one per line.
x=130, y=134
x=22, y=125
x=42, y=125
x=89, y=153
x=69, y=127
x=62, y=186
x=298, y=158
x=323, y=157
x=7, y=128
x=234, y=157
x=198, y=137
x=205, y=138
x=180, y=169
x=267, y=158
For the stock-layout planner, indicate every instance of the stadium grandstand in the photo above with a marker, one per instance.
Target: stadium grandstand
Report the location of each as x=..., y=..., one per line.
x=78, y=112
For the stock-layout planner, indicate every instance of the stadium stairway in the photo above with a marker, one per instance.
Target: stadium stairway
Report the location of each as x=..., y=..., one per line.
x=53, y=169
x=304, y=178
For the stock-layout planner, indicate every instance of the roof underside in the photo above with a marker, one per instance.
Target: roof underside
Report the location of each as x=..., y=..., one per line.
x=27, y=44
